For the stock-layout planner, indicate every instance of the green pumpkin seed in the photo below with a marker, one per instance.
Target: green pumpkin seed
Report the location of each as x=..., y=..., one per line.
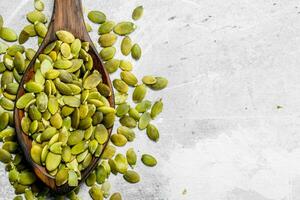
x=101, y=133
x=106, y=27
x=24, y=100
x=160, y=84
x=108, y=152
x=131, y=157
x=126, y=46
x=96, y=193
x=12, y=88
x=5, y=156
x=128, y=122
x=116, y=196
x=136, y=52
x=124, y=28
x=56, y=121
x=65, y=36
x=85, y=123
x=143, y=106
x=137, y=13
x=93, y=145
x=75, y=137
x=97, y=17
x=97, y=118
x=30, y=30
x=72, y=101
x=149, y=80
x=125, y=65
x=52, y=161
x=112, y=65
x=63, y=64
x=120, y=85
x=33, y=87
x=127, y=132
x=107, y=53
x=109, y=120
x=23, y=37
x=46, y=65
x=88, y=27
x=106, y=189
x=92, y=80
x=65, y=50
x=144, y=120
x=35, y=152
x=62, y=177
x=101, y=174
x=129, y=78
x=39, y=5
x=6, y=104
x=79, y=148
x=4, y=119
x=107, y=40
x=104, y=90
x=134, y=114
x=8, y=34
x=27, y=178
x=3, y=47
x=66, y=155
x=7, y=78
x=75, y=118
x=73, y=179
x=91, y=180
x=36, y=16
x=131, y=176
x=48, y=133
x=152, y=133
x=75, y=47
x=122, y=109
x=139, y=93
x=40, y=29
x=149, y=160
x=118, y=140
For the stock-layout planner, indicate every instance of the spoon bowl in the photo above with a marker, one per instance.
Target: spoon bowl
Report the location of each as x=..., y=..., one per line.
x=67, y=15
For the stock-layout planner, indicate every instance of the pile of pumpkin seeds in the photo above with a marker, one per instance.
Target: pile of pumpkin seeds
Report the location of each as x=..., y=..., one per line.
x=15, y=59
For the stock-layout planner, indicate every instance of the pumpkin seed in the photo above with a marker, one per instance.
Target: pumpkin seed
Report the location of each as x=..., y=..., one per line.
x=24, y=100
x=160, y=84
x=131, y=157
x=139, y=93
x=65, y=36
x=27, y=178
x=125, y=65
x=120, y=85
x=144, y=120
x=35, y=153
x=118, y=140
x=127, y=132
x=131, y=176
x=61, y=177
x=36, y=16
x=106, y=27
x=136, y=52
x=128, y=121
x=107, y=40
x=126, y=46
x=107, y=53
x=8, y=34
x=112, y=65
x=149, y=80
x=5, y=156
x=148, y=160
x=129, y=78
x=137, y=13
x=124, y=28
x=96, y=193
x=97, y=17
x=116, y=196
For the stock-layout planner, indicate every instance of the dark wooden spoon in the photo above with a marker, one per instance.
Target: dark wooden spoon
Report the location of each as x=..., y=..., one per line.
x=67, y=15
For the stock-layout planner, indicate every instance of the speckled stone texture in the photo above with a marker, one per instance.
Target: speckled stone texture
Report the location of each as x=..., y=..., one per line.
x=231, y=124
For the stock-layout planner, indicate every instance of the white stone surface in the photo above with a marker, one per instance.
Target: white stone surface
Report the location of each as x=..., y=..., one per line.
x=230, y=64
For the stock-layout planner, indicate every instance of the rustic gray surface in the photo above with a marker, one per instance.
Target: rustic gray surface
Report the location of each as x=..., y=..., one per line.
x=231, y=125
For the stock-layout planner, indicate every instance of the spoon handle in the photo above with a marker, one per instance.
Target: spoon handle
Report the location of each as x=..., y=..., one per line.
x=67, y=15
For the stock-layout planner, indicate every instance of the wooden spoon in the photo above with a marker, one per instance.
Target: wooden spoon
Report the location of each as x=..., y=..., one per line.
x=67, y=15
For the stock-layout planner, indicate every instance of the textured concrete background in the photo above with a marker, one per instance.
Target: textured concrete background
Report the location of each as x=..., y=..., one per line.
x=231, y=125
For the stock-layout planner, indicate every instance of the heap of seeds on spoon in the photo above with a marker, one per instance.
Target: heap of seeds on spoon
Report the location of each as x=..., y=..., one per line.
x=67, y=113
